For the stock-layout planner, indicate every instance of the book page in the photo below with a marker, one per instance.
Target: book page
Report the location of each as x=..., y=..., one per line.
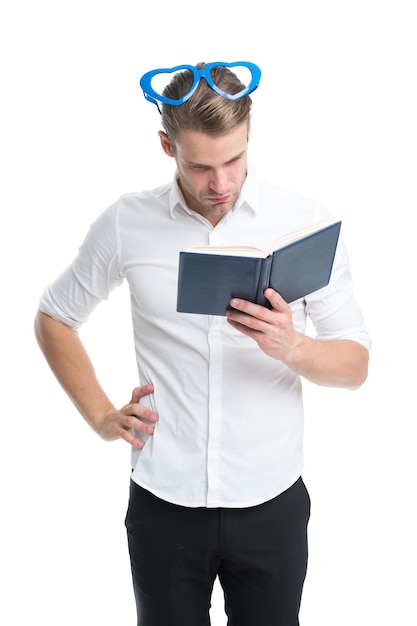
x=229, y=250
x=252, y=251
x=299, y=233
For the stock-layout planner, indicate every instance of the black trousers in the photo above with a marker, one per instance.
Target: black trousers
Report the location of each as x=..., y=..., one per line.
x=259, y=555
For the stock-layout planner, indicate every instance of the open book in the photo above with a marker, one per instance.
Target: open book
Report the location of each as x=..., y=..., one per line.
x=297, y=264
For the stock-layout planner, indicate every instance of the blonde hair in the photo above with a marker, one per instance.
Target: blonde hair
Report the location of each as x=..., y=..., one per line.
x=205, y=110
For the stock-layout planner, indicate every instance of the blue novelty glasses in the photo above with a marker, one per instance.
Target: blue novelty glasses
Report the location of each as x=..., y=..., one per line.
x=153, y=96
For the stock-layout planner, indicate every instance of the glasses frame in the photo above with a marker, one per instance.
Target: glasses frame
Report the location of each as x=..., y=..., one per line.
x=152, y=96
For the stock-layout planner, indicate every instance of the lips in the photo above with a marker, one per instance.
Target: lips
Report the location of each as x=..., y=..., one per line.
x=219, y=199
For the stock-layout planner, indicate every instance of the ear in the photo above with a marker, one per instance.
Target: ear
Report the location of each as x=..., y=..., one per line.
x=166, y=144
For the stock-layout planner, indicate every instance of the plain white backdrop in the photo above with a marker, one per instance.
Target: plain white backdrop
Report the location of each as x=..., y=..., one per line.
x=334, y=119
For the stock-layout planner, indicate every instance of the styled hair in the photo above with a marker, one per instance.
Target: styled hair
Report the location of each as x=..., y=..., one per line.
x=205, y=111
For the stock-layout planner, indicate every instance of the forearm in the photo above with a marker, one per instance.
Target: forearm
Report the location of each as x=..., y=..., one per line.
x=72, y=367
x=336, y=363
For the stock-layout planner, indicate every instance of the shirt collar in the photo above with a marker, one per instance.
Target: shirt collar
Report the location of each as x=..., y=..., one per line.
x=176, y=199
x=248, y=196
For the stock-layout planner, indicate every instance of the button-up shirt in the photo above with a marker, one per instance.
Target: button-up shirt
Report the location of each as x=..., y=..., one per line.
x=230, y=429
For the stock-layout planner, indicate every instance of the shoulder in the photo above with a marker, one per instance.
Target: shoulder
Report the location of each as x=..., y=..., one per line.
x=139, y=204
x=129, y=207
x=147, y=196
x=291, y=207
x=275, y=201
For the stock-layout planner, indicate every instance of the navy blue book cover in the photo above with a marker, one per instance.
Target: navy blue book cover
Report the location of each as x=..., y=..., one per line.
x=207, y=282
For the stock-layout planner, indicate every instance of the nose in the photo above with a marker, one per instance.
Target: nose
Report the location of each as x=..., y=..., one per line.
x=219, y=182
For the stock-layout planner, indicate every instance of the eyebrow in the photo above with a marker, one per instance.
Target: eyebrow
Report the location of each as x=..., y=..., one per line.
x=234, y=158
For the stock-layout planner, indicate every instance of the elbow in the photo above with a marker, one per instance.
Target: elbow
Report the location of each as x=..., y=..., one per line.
x=49, y=330
x=41, y=326
x=37, y=327
x=357, y=383
x=360, y=373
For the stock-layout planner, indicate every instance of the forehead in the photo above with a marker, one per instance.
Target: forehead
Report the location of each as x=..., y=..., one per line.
x=203, y=149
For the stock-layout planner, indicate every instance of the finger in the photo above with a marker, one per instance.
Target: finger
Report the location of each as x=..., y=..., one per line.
x=140, y=412
x=248, y=325
x=139, y=392
x=134, y=423
x=131, y=428
x=130, y=437
x=249, y=314
x=277, y=301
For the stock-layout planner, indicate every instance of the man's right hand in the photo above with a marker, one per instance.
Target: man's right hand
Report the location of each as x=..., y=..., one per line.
x=134, y=418
x=68, y=359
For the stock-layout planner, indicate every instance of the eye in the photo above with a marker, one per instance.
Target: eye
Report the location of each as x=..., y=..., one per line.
x=236, y=159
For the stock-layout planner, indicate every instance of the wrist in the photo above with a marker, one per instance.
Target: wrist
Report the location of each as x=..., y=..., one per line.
x=298, y=353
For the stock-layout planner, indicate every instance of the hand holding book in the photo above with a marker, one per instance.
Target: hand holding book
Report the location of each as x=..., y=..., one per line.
x=298, y=264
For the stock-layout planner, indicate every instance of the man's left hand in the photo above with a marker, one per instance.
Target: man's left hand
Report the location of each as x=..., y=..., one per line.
x=272, y=329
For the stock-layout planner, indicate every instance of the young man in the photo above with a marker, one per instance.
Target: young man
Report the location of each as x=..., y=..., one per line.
x=216, y=425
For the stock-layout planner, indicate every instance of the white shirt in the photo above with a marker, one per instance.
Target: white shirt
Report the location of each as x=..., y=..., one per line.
x=230, y=429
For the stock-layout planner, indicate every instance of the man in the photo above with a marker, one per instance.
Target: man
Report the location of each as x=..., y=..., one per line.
x=216, y=425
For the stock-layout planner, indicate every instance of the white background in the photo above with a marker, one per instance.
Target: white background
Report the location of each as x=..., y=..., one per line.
x=334, y=119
